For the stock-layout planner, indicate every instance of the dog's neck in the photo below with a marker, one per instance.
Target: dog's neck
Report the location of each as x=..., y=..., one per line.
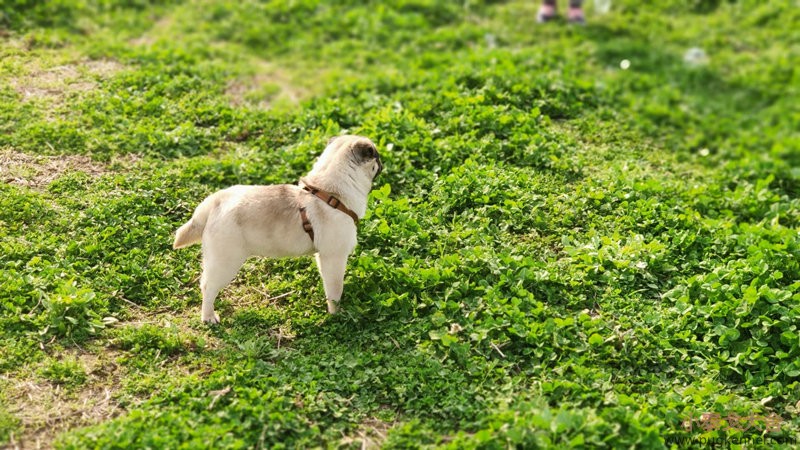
x=350, y=190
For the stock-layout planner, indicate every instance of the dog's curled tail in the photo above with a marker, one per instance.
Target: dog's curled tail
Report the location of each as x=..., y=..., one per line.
x=192, y=231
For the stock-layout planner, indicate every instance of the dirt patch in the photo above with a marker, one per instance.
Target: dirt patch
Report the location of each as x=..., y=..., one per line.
x=45, y=409
x=54, y=84
x=162, y=27
x=268, y=87
x=37, y=171
x=371, y=434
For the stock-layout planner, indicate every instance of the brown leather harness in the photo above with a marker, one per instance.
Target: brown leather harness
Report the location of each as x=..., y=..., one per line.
x=331, y=201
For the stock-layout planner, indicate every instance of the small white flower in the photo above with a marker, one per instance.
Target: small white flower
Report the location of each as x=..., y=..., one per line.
x=602, y=6
x=695, y=57
x=491, y=40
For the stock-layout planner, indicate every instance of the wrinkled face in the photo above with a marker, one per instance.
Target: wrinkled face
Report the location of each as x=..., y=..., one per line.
x=366, y=155
x=357, y=152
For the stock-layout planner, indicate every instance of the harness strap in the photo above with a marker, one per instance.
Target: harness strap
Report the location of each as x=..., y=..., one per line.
x=306, y=223
x=331, y=201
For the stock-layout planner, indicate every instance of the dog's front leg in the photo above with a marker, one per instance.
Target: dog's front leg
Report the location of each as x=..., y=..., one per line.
x=332, y=268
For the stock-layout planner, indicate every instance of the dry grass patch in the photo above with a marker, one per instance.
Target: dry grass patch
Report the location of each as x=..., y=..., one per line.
x=37, y=171
x=162, y=27
x=54, y=84
x=45, y=409
x=371, y=434
x=270, y=86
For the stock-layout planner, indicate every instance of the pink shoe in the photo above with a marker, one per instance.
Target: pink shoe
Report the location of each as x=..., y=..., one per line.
x=575, y=16
x=546, y=13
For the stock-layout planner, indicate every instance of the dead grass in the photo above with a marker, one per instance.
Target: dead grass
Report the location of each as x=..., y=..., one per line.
x=37, y=171
x=269, y=86
x=371, y=434
x=162, y=27
x=54, y=85
x=45, y=409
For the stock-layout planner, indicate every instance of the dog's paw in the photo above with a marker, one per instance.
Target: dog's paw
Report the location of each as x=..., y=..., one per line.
x=333, y=306
x=213, y=319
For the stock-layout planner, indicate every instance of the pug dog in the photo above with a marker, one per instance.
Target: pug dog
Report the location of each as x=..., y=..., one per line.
x=319, y=215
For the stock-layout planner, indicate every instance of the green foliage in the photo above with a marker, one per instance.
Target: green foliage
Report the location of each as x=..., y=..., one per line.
x=22, y=14
x=8, y=425
x=160, y=340
x=72, y=312
x=560, y=252
x=66, y=372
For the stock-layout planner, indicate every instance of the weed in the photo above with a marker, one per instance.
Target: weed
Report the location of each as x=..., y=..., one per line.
x=66, y=372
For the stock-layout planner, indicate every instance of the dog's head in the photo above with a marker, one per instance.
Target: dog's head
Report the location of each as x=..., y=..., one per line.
x=354, y=152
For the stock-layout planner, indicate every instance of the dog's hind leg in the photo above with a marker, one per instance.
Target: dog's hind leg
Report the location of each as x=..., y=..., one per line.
x=219, y=268
x=332, y=268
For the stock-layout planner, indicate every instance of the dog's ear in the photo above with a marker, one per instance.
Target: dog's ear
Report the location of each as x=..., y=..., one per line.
x=330, y=141
x=364, y=151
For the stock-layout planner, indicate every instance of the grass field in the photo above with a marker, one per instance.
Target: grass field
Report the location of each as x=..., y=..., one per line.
x=583, y=236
